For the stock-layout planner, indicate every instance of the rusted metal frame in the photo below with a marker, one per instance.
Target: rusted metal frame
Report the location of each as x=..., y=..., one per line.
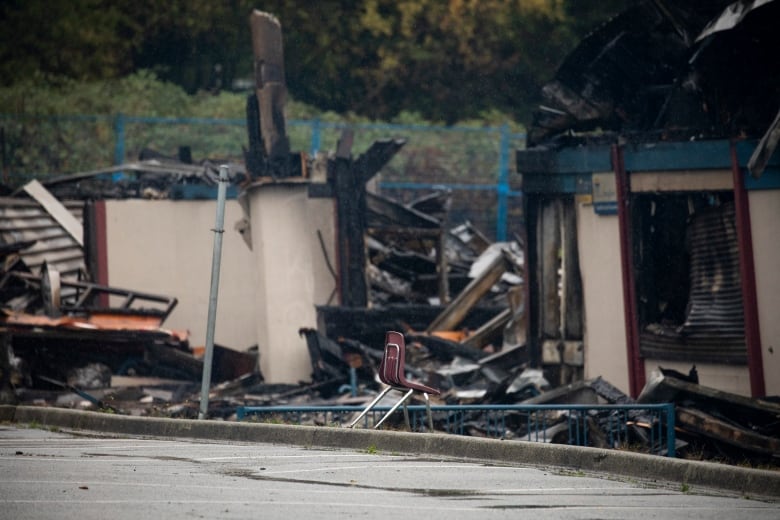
x=747, y=276
x=451, y=316
x=89, y=289
x=636, y=365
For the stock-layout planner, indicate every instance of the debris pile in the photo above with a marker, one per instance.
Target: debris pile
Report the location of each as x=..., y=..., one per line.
x=457, y=298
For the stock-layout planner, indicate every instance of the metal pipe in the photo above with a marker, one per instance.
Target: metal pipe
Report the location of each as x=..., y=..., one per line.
x=212, y=316
x=747, y=275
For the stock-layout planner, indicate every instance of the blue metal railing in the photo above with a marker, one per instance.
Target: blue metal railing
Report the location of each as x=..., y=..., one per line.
x=537, y=423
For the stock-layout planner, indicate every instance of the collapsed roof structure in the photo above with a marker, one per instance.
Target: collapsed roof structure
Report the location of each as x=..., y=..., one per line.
x=650, y=180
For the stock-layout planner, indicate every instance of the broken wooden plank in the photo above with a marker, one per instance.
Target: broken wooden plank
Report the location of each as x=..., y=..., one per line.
x=56, y=209
x=483, y=335
x=715, y=428
x=454, y=313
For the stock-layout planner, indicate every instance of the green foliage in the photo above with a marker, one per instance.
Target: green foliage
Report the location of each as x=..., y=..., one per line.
x=446, y=60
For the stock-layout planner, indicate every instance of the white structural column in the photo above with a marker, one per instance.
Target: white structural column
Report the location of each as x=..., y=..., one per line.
x=291, y=273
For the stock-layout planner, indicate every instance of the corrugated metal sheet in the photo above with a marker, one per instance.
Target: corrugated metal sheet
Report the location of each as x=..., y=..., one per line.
x=714, y=328
x=24, y=219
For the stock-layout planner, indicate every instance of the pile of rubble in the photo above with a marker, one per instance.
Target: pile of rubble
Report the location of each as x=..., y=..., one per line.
x=73, y=343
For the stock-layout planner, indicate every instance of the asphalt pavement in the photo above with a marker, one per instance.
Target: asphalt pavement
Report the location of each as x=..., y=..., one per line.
x=58, y=463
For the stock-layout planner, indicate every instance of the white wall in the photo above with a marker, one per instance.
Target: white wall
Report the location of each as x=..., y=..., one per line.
x=765, y=219
x=165, y=247
x=292, y=274
x=602, y=285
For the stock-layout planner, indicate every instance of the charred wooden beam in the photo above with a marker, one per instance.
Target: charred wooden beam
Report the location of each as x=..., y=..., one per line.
x=470, y=296
x=488, y=331
x=384, y=212
x=351, y=213
x=379, y=154
x=720, y=430
x=446, y=349
x=754, y=414
x=269, y=147
x=270, y=87
x=349, y=178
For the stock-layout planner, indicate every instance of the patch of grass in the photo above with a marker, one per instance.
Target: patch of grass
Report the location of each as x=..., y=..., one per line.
x=371, y=450
x=685, y=488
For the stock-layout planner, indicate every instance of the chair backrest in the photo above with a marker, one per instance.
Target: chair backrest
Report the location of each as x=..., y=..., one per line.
x=392, y=366
x=396, y=338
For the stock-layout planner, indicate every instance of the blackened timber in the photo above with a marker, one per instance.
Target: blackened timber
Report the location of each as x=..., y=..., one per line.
x=445, y=349
x=385, y=212
x=271, y=90
x=351, y=204
x=490, y=330
x=718, y=429
x=755, y=414
x=326, y=356
x=369, y=325
x=373, y=159
x=349, y=179
x=470, y=296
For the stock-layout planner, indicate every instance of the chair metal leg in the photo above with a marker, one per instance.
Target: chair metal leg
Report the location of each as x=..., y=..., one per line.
x=394, y=408
x=370, y=406
x=428, y=409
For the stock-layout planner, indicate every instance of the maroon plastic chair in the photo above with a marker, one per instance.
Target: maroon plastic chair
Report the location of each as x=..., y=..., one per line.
x=392, y=373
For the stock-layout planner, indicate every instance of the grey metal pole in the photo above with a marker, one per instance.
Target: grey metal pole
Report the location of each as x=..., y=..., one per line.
x=208, y=357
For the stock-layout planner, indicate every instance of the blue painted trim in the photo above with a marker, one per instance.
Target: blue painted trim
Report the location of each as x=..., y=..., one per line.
x=669, y=156
x=769, y=180
x=568, y=170
x=199, y=192
x=442, y=187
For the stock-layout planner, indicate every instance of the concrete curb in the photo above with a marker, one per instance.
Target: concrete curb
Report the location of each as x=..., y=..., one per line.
x=662, y=470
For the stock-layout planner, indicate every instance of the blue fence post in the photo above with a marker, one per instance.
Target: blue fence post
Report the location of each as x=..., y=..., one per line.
x=671, y=442
x=119, y=145
x=315, y=136
x=503, y=184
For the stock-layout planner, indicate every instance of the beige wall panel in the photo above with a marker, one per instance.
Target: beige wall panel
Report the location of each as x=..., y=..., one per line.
x=292, y=274
x=602, y=286
x=765, y=219
x=166, y=247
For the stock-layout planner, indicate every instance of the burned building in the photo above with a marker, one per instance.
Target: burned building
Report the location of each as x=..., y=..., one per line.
x=651, y=184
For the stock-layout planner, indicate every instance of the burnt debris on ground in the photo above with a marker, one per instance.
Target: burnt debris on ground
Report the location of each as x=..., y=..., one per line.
x=82, y=345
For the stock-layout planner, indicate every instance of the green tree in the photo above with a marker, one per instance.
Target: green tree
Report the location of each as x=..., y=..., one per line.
x=446, y=60
x=49, y=40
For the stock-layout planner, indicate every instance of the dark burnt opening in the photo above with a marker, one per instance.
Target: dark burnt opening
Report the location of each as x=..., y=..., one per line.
x=686, y=260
